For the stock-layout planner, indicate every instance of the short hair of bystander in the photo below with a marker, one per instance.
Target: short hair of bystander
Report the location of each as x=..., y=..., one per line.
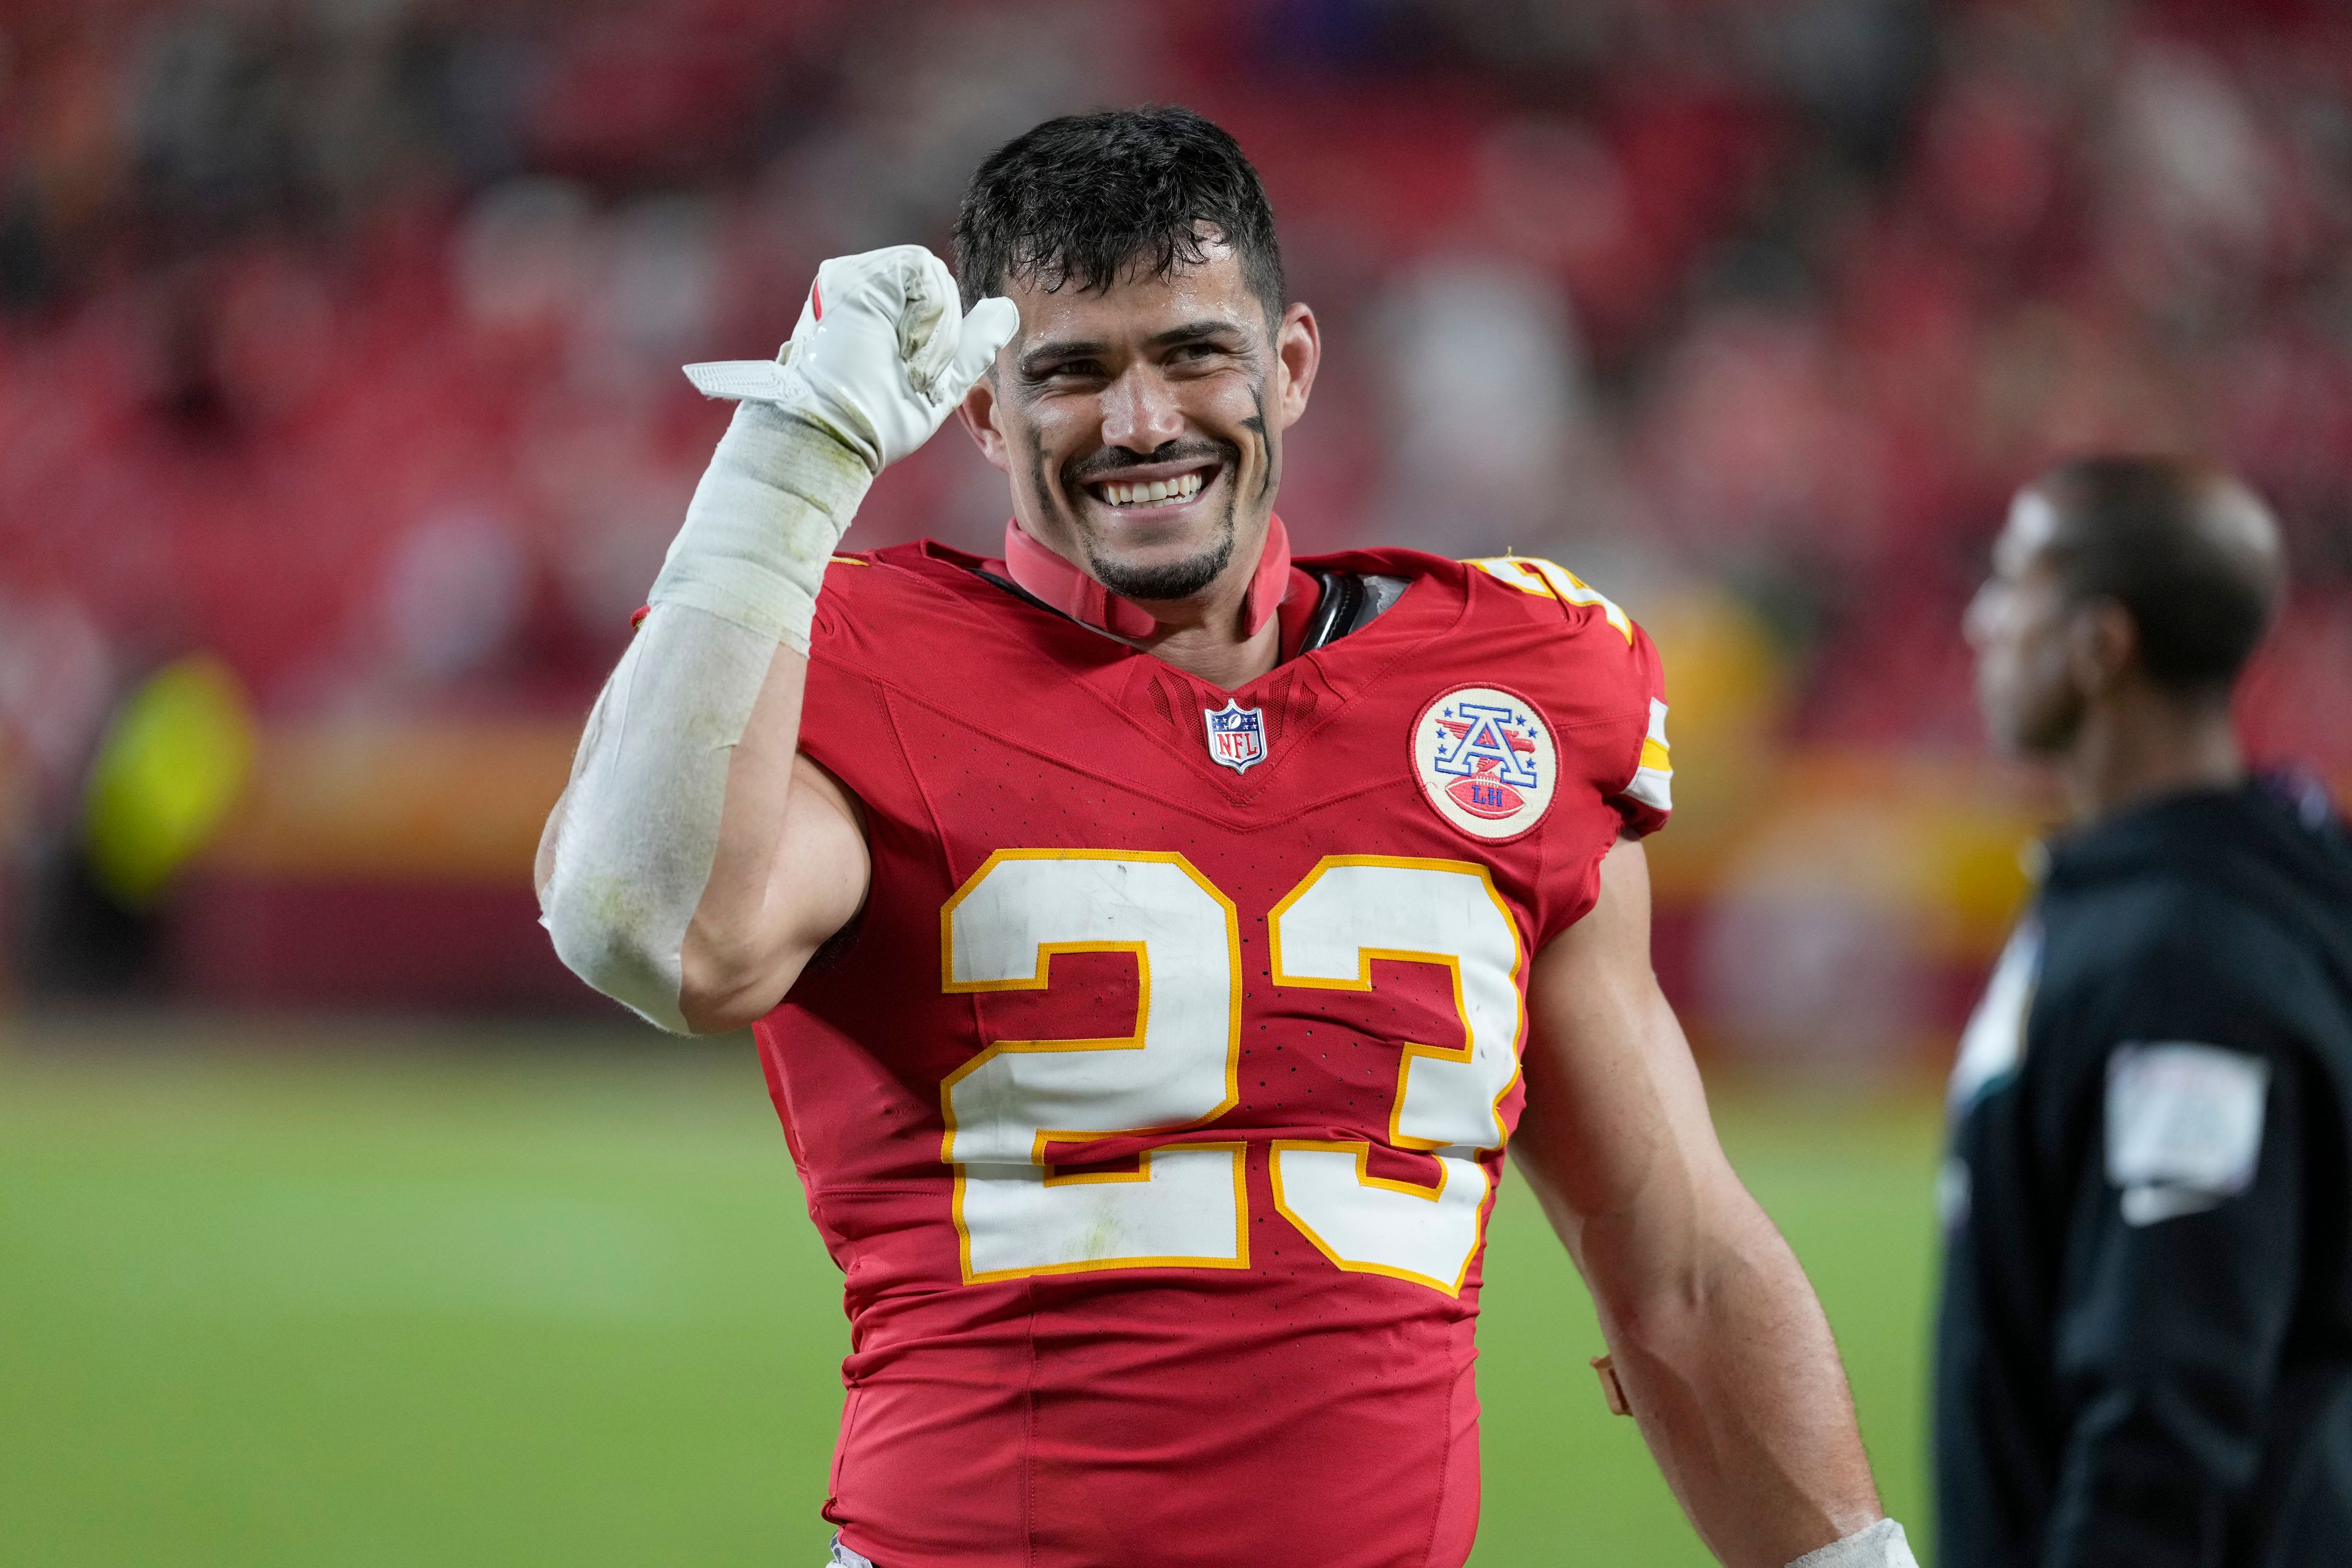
x=2190, y=554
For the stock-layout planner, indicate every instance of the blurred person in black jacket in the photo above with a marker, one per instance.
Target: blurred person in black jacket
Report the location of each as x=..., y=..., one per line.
x=2145, y=1350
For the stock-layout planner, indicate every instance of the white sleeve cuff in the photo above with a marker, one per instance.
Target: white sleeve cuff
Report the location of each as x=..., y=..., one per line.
x=1882, y=1545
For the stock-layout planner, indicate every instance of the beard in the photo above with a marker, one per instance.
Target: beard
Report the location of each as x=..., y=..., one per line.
x=2030, y=721
x=1170, y=579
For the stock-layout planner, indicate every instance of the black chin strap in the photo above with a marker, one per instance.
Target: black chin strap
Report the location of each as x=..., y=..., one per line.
x=1349, y=604
x=1335, y=613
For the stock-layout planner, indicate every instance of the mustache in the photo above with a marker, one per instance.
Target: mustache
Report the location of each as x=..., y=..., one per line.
x=1112, y=461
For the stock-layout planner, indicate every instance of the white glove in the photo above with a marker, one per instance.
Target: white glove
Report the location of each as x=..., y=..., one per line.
x=878, y=359
x=879, y=356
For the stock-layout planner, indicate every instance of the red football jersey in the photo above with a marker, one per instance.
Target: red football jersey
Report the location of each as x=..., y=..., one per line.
x=1154, y=1102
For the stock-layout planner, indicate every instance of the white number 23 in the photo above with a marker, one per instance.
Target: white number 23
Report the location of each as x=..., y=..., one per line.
x=1185, y=1205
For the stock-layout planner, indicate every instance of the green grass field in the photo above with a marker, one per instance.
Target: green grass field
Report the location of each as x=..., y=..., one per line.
x=369, y=1294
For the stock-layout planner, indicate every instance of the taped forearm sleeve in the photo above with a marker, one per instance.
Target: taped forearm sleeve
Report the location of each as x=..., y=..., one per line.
x=778, y=495
x=640, y=819
x=639, y=823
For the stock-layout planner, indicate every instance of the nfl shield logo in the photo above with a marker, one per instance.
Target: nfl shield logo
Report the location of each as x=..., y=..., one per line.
x=1236, y=735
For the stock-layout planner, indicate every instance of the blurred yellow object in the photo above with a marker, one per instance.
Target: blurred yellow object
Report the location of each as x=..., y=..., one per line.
x=1727, y=691
x=174, y=761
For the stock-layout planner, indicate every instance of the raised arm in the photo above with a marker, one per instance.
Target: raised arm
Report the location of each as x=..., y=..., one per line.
x=1714, y=1331
x=696, y=861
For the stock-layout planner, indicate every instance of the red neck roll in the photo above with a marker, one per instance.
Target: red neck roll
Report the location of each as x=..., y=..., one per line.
x=1061, y=584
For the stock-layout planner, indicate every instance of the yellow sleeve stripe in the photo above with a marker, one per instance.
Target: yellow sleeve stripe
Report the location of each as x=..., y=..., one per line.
x=1655, y=755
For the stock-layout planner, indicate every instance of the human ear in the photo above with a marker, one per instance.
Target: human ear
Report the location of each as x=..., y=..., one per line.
x=1299, y=351
x=978, y=413
x=2102, y=646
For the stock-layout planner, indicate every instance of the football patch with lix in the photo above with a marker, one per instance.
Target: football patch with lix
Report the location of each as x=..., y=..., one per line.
x=1486, y=760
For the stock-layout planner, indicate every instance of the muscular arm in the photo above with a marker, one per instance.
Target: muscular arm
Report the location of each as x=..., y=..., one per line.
x=1712, y=1327
x=789, y=870
x=696, y=860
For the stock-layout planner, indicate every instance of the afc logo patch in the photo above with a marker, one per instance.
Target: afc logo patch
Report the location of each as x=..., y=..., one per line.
x=1236, y=735
x=1486, y=760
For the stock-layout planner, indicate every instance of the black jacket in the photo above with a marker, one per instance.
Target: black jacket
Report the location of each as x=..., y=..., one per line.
x=2144, y=1355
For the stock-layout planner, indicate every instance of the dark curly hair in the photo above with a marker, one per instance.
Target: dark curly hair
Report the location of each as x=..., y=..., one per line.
x=1088, y=199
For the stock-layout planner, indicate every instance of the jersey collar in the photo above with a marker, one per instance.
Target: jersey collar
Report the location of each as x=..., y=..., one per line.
x=1061, y=584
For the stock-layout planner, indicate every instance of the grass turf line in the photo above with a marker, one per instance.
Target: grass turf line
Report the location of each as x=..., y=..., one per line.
x=423, y=1303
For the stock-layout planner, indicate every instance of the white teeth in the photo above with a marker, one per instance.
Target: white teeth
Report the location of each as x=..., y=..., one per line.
x=1183, y=487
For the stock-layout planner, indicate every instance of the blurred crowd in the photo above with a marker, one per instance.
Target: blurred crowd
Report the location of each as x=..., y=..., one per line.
x=340, y=338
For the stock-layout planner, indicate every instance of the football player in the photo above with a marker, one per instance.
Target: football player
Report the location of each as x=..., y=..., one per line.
x=1153, y=941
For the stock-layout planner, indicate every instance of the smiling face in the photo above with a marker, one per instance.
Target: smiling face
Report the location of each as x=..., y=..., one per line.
x=1141, y=424
x=2021, y=624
